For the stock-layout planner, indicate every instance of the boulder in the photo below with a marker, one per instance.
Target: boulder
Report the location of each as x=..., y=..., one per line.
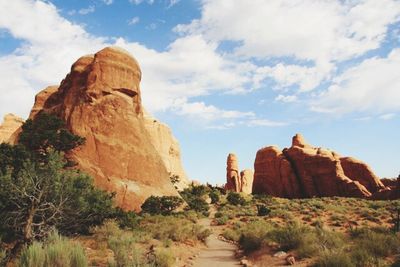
x=100, y=99
x=9, y=128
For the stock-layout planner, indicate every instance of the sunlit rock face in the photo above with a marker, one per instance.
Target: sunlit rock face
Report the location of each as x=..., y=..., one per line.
x=9, y=128
x=100, y=99
x=306, y=171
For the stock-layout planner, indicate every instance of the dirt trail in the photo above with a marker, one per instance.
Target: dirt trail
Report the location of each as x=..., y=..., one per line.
x=218, y=253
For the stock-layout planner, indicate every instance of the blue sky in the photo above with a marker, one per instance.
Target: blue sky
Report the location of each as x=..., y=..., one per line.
x=228, y=76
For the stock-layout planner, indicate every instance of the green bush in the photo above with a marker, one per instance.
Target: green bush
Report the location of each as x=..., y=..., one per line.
x=253, y=235
x=222, y=220
x=198, y=204
x=161, y=205
x=215, y=196
x=290, y=236
x=263, y=210
x=235, y=198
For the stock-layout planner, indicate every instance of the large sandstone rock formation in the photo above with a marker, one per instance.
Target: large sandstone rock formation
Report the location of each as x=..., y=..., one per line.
x=247, y=177
x=168, y=147
x=235, y=181
x=9, y=127
x=306, y=171
x=100, y=99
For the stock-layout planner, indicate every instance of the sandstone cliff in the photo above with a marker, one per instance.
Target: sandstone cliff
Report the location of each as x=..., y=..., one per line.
x=9, y=128
x=306, y=171
x=100, y=99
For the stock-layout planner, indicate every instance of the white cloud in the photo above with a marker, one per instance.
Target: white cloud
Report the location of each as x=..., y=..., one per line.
x=133, y=21
x=286, y=98
x=288, y=75
x=108, y=2
x=264, y=123
x=88, y=10
x=387, y=116
x=207, y=112
x=371, y=86
x=190, y=66
x=319, y=31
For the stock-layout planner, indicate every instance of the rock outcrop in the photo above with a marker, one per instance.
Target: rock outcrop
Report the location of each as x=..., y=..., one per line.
x=274, y=175
x=306, y=171
x=9, y=128
x=100, y=99
x=247, y=177
x=168, y=147
x=233, y=182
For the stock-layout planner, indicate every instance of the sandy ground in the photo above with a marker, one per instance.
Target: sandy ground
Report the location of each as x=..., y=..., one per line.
x=218, y=253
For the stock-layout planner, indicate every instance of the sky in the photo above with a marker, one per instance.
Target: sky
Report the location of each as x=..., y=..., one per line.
x=228, y=76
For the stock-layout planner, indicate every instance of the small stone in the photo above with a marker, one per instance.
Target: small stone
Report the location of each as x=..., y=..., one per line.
x=290, y=260
x=280, y=254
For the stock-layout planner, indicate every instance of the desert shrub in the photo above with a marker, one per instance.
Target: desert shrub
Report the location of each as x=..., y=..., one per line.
x=253, y=235
x=222, y=220
x=231, y=234
x=161, y=205
x=163, y=258
x=377, y=244
x=126, y=219
x=198, y=204
x=263, y=210
x=56, y=251
x=162, y=228
x=215, y=196
x=290, y=236
x=330, y=258
x=235, y=198
x=33, y=256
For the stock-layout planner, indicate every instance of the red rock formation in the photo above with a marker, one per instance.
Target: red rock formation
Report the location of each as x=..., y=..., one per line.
x=361, y=172
x=100, y=99
x=233, y=182
x=273, y=174
x=306, y=171
x=9, y=128
x=247, y=177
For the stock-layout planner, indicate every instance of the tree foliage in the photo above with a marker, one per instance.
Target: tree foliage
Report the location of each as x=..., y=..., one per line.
x=37, y=191
x=161, y=205
x=235, y=198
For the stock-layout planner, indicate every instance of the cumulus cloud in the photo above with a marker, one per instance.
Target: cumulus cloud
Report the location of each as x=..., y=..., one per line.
x=322, y=32
x=190, y=66
x=372, y=86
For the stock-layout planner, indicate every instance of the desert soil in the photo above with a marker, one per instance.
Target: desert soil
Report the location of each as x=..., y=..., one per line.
x=217, y=253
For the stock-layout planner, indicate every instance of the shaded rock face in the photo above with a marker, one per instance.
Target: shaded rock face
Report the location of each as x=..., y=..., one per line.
x=305, y=171
x=100, y=99
x=9, y=128
x=233, y=182
x=247, y=177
